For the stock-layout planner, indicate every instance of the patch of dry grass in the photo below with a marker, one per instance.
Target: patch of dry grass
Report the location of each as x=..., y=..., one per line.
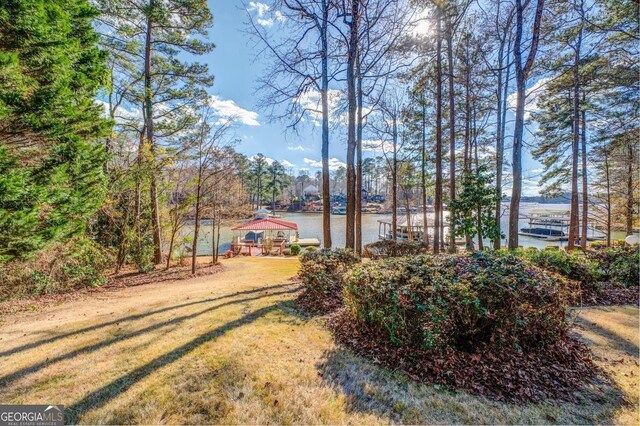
x=613, y=333
x=230, y=348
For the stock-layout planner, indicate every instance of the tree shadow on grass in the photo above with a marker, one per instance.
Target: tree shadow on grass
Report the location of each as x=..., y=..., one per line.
x=620, y=343
x=390, y=395
x=102, y=396
x=35, y=344
x=17, y=374
x=372, y=389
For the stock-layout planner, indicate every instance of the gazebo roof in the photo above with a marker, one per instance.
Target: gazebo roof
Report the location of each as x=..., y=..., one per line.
x=267, y=224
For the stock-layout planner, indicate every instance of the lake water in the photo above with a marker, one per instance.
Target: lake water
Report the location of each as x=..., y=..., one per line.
x=310, y=226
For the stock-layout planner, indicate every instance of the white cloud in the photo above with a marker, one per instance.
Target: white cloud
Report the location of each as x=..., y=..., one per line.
x=532, y=95
x=228, y=109
x=377, y=145
x=263, y=15
x=296, y=148
x=311, y=102
x=287, y=163
x=334, y=163
x=122, y=114
x=258, y=7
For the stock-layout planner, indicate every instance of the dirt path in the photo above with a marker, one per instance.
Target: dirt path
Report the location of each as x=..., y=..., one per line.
x=229, y=348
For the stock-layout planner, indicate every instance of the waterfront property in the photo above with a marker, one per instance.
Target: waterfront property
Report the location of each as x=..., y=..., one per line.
x=553, y=225
x=412, y=228
x=265, y=236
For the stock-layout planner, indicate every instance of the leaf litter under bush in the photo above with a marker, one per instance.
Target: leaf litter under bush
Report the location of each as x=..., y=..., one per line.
x=484, y=322
x=556, y=371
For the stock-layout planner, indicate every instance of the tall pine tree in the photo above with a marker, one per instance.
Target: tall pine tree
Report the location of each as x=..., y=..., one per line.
x=51, y=168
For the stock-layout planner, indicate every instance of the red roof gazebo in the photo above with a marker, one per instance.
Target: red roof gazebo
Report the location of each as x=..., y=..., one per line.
x=265, y=225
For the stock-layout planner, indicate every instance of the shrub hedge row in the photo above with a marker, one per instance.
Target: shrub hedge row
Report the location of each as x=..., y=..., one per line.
x=387, y=248
x=618, y=266
x=321, y=274
x=462, y=301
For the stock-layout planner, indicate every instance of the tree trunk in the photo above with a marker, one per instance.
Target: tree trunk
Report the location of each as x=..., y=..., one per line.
x=155, y=216
x=138, y=193
x=214, y=216
x=503, y=133
x=467, y=133
x=499, y=140
x=608, y=183
x=217, y=245
x=394, y=182
x=467, y=117
x=480, y=236
x=630, y=197
x=442, y=230
x=516, y=191
x=326, y=190
x=585, y=189
x=214, y=220
x=477, y=164
x=474, y=137
x=358, y=215
x=521, y=78
x=194, y=245
x=196, y=229
x=148, y=103
x=171, y=241
x=423, y=174
x=437, y=230
x=574, y=218
x=452, y=136
x=351, y=126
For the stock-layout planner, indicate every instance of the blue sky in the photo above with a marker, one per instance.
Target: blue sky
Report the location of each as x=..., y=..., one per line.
x=237, y=71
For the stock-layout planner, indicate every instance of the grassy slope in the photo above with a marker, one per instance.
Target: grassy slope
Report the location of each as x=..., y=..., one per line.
x=198, y=351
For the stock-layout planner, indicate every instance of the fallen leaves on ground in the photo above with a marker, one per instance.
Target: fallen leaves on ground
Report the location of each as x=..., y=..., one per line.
x=611, y=295
x=557, y=371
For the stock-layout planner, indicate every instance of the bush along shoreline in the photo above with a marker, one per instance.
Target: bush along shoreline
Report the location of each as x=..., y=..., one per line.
x=493, y=323
x=607, y=277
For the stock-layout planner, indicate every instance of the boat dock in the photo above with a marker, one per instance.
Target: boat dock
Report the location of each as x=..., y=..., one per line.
x=553, y=225
x=308, y=242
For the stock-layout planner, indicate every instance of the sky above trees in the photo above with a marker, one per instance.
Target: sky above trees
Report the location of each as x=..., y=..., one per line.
x=237, y=68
